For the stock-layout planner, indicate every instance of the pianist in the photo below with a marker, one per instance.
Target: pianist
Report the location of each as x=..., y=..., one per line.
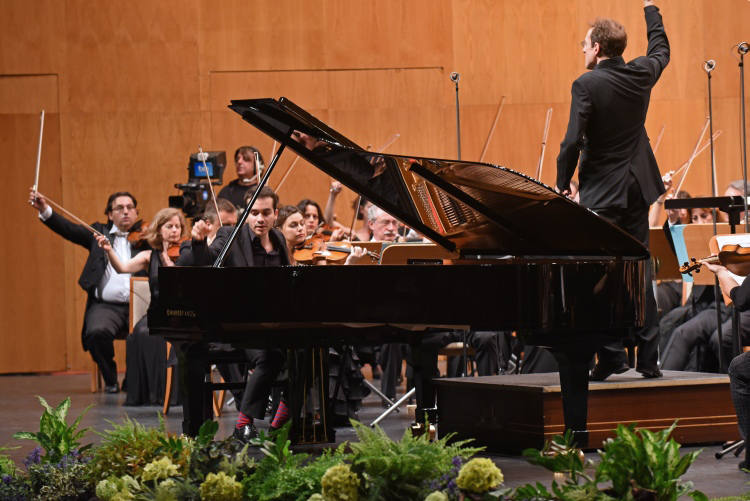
x=619, y=178
x=258, y=244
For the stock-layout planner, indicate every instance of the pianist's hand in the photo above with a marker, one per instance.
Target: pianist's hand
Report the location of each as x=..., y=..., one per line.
x=200, y=231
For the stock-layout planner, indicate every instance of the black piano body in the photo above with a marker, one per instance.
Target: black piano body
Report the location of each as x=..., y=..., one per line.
x=527, y=259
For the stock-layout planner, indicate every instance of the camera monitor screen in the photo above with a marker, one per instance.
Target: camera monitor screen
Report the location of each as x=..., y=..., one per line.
x=215, y=161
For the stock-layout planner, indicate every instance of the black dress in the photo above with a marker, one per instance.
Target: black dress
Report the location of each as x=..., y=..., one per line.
x=147, y=355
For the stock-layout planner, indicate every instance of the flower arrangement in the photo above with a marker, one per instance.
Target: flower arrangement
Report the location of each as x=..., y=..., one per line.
x=136, y=463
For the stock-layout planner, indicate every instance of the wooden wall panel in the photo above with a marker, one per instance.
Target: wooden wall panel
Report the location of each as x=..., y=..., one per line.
x=126, y=57
x=32, y=273
x=32, y=40
x=139, y=86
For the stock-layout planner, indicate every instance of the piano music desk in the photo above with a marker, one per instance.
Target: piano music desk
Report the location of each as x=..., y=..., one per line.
x=512, y=412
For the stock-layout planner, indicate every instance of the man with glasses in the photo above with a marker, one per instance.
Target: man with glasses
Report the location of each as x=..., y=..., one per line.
x=619, y=178
x=106, y=316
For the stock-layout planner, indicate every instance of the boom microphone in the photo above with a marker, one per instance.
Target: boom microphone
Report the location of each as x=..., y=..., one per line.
x=743, y=48
x=709, y=65
x=454, y=77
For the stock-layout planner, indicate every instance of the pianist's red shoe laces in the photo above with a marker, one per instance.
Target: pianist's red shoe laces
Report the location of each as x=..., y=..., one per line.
x=243, y=420
x=281, y=417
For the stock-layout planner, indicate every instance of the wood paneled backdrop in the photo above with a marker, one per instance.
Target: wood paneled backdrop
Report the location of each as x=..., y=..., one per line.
x=132, y=88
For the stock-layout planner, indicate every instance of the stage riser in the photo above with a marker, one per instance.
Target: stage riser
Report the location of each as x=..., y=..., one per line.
x=508, y=418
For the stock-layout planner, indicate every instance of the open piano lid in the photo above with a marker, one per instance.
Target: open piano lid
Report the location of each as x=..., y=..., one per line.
x=470, y=207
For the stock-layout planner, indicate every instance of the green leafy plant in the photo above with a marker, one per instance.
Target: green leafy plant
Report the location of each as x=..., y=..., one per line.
x=403, y=469
x=297, y=478
x=7, y=466
x=54, y=435
x=640, y=460
x=66, y=480
x=229, y=455
x=127, y=448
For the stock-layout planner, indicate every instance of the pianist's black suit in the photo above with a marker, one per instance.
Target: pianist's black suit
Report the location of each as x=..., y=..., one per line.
x=267, y=363
x=618, y=175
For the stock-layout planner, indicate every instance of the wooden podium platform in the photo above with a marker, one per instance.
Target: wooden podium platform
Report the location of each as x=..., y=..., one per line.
x=513, y=412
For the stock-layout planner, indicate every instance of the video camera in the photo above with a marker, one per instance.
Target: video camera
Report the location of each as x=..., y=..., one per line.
x=196, y=193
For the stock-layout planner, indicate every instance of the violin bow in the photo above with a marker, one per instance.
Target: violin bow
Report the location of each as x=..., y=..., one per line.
x=39, y=152
x=658, y=139
x=693, y=155
x=208, y=179
x=544, y=144
x=701, y=150
x=71, y=215
x=492, y=129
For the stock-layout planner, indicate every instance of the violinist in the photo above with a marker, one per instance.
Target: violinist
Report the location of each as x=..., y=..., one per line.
x=108, y=293
x=247, y=175
x=258, y=244
x=292, y=225
x=312, y=215
x=146, y=370
x=739, y=367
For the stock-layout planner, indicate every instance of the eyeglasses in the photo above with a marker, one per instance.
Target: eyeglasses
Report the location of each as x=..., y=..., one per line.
x=583, y=44
x=123, y=208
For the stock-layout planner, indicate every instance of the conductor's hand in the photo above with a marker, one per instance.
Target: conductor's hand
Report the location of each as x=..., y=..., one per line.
x=38, y=201
x=103, y=243
x=646, y=3
x=200, y=231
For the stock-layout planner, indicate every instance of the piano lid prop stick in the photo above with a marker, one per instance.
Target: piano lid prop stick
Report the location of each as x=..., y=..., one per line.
x=71, y=215
x=544, y=144
x=390, y=141
x=701, y=150
x=492, y=129
x=286, y=175
x=693, y=155
x=273, y=149
x=202, y=157
x=658, y=139
x=39, y=151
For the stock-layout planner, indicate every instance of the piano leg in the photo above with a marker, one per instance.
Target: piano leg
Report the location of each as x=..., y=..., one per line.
x=196, y=396
x=574, y=385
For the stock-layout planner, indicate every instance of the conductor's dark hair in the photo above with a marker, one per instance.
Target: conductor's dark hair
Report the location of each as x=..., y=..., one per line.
x=112, y=198
x=610, y=35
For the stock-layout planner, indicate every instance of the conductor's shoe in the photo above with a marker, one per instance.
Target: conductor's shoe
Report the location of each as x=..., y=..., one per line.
x=245, y=433
x=112, y=388
x=650, y=373
x=603, y=371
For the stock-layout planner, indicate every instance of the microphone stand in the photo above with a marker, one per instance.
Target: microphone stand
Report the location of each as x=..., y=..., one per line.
x=742, y=49
x=708, y=67
x=454, y=78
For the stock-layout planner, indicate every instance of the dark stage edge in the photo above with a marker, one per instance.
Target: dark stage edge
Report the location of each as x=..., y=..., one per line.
x=21, y=411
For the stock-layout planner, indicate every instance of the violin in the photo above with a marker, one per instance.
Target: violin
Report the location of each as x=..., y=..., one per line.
x=173, y=250
x=316, y=249
x=136, y=234
x=733, y=257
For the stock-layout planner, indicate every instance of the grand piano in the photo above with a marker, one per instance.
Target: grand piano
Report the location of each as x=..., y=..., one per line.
x=527, y=259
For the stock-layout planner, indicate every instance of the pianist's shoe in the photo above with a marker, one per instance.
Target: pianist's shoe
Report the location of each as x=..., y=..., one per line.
x=650, y=373
x=245, y=433
x=603, y=371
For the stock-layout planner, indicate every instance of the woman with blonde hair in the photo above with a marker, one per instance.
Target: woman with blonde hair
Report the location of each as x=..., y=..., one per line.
x=147, y=355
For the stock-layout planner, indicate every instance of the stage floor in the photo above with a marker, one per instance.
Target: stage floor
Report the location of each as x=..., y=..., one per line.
x=21, y=411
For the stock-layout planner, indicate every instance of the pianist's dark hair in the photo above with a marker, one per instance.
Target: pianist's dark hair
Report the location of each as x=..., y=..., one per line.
x=284, y=213
x=265, y=192
x=610, y=35
x=112, y=198
x=302, y=205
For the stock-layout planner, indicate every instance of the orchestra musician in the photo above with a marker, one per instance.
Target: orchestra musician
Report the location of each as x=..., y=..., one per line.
x=108, y=293
x=258, y=244
x=247, y=176
x=619, y=178
x=739, y=367
x=147, y=355
x=227, y=216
